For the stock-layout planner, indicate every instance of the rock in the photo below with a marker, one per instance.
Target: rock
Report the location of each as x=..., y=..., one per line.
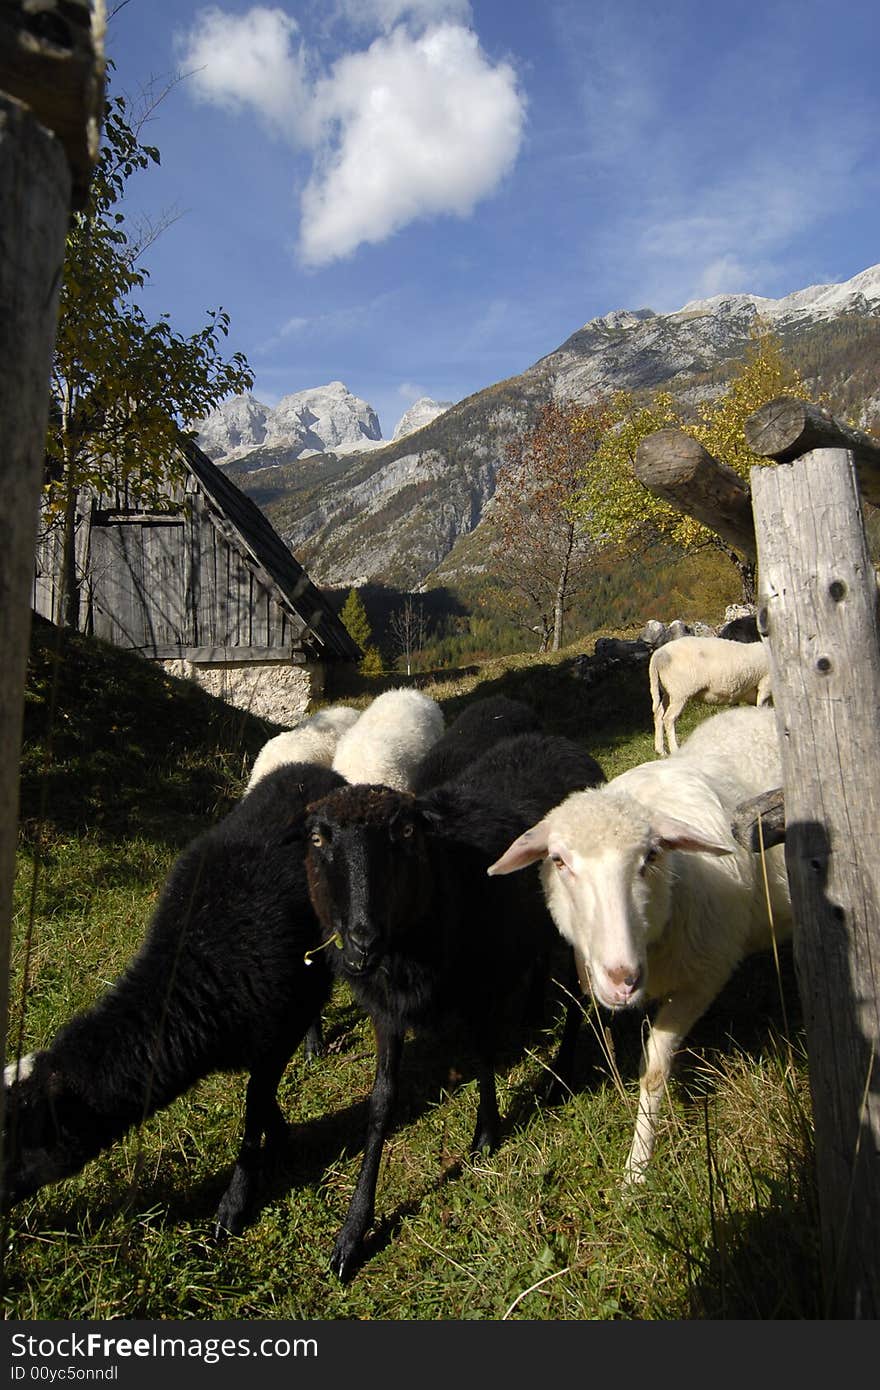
x=421, y=413
x=653, y=632
x=305, y=422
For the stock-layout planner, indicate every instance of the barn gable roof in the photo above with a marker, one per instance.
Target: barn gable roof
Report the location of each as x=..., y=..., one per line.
x=255, y=535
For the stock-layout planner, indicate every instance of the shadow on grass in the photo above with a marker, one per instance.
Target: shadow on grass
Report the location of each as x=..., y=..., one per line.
x=113, y=744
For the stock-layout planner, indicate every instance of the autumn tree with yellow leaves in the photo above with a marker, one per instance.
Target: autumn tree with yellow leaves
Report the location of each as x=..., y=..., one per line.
x=614, y=507
x=539, y=549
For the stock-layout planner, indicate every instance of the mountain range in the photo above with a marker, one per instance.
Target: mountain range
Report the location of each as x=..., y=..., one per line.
x=304, y=423
x=406, y=512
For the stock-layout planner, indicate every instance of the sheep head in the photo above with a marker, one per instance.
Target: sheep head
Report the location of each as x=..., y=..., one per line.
x=368, y=872
x=607, y=886
x=51, y=1132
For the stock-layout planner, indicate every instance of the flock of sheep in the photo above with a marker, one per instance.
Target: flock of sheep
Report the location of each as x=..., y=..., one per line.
x=445, y=873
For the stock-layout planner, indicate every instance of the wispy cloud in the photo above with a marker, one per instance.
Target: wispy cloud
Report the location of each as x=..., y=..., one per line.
x=708, y=167
x=410, y=392
x=336, y=323
x=385, y=14
x=419, y=124
x=736, y=234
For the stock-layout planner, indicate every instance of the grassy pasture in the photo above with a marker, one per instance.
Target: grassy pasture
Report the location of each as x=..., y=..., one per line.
x=122, y=766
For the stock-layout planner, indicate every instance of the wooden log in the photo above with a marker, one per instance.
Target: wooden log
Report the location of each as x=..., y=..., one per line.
x=677, y=468
x=760, y=823
x=786, y=427
x=51, y=58
x=819, y=610
x=34, y=211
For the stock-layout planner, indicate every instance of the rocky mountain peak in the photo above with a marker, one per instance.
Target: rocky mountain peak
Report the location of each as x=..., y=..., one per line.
x=304, y=423
x=420, y=413
x=413, y=507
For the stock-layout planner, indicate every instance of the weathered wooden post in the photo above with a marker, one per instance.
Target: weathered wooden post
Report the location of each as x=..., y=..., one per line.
x=818, y=606
x=51, y=102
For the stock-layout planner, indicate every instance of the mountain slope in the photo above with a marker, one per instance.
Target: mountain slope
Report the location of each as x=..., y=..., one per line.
x=398, y=513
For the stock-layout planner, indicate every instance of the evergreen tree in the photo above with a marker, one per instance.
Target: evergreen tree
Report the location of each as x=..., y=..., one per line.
x=354, y=617
x=357, y=624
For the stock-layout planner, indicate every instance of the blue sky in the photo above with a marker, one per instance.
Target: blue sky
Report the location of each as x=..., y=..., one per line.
x=424, y=198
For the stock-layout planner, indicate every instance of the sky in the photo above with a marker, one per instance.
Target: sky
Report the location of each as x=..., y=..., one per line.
x=423, y=198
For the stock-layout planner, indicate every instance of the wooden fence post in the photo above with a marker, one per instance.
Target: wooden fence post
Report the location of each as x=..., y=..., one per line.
x=818, y=606
x=51, y=98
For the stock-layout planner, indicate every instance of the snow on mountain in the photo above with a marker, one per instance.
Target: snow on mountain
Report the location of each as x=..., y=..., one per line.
x=633, y=350
x=304, y=422
x=398, y=510
x=421, y=413
x=814, y=302
x=238, y=424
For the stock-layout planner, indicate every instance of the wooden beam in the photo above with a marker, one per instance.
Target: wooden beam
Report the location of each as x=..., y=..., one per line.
x=676, y=468
x=51, y=58
x=786, y=427
x=760, y=823
x=288, y=656
x=819, y=601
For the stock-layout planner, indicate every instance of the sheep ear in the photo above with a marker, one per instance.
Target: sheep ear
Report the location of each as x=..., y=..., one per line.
x=670, y=833
x=530, y=846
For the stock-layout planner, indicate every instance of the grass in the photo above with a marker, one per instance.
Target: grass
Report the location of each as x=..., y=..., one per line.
x=121, y=767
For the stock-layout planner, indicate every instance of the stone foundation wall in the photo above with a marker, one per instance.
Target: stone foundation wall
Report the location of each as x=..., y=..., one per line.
x=276, y=690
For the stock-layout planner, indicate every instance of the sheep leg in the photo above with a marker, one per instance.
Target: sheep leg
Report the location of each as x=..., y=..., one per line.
x=658, y=712
x=262, y=1115
x=488, y=1131
x=673, y=710
x=563, y=1064
x=673, y=1022
x=348, y=1249
x=313, y=1042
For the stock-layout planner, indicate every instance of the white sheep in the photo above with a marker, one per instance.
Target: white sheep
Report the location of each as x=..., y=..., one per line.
x=312, y=741
x=645, y=880
x=718, y=671
x=390, y=739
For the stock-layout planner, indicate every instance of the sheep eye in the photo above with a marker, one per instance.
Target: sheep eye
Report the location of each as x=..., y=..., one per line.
x=407, y=830
x=316, y=839
x=558, y=860
x=650, y=858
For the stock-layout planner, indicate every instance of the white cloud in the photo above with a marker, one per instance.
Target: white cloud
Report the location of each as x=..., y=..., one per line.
x=419, y=127
x=415, y=126
x=385, y=14
x=250, y=60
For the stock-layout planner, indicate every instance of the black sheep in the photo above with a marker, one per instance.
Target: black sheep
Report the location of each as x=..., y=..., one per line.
x=743, y=629
x=424, y=934
x=220, y=983
x=479, y=725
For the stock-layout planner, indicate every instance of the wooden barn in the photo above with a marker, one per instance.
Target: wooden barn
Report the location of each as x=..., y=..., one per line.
x=207, y=587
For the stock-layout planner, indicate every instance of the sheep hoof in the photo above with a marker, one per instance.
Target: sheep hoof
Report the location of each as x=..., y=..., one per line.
x=347, y=1255
x=554, y=1091
x=484, y=1141
x=632, y=1182
x=230, y=1218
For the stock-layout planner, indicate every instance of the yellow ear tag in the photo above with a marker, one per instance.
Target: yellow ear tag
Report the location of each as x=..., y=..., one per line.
x=334, y=940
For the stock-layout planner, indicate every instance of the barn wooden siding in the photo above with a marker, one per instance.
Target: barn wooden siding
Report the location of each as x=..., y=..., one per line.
x=206, y=579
